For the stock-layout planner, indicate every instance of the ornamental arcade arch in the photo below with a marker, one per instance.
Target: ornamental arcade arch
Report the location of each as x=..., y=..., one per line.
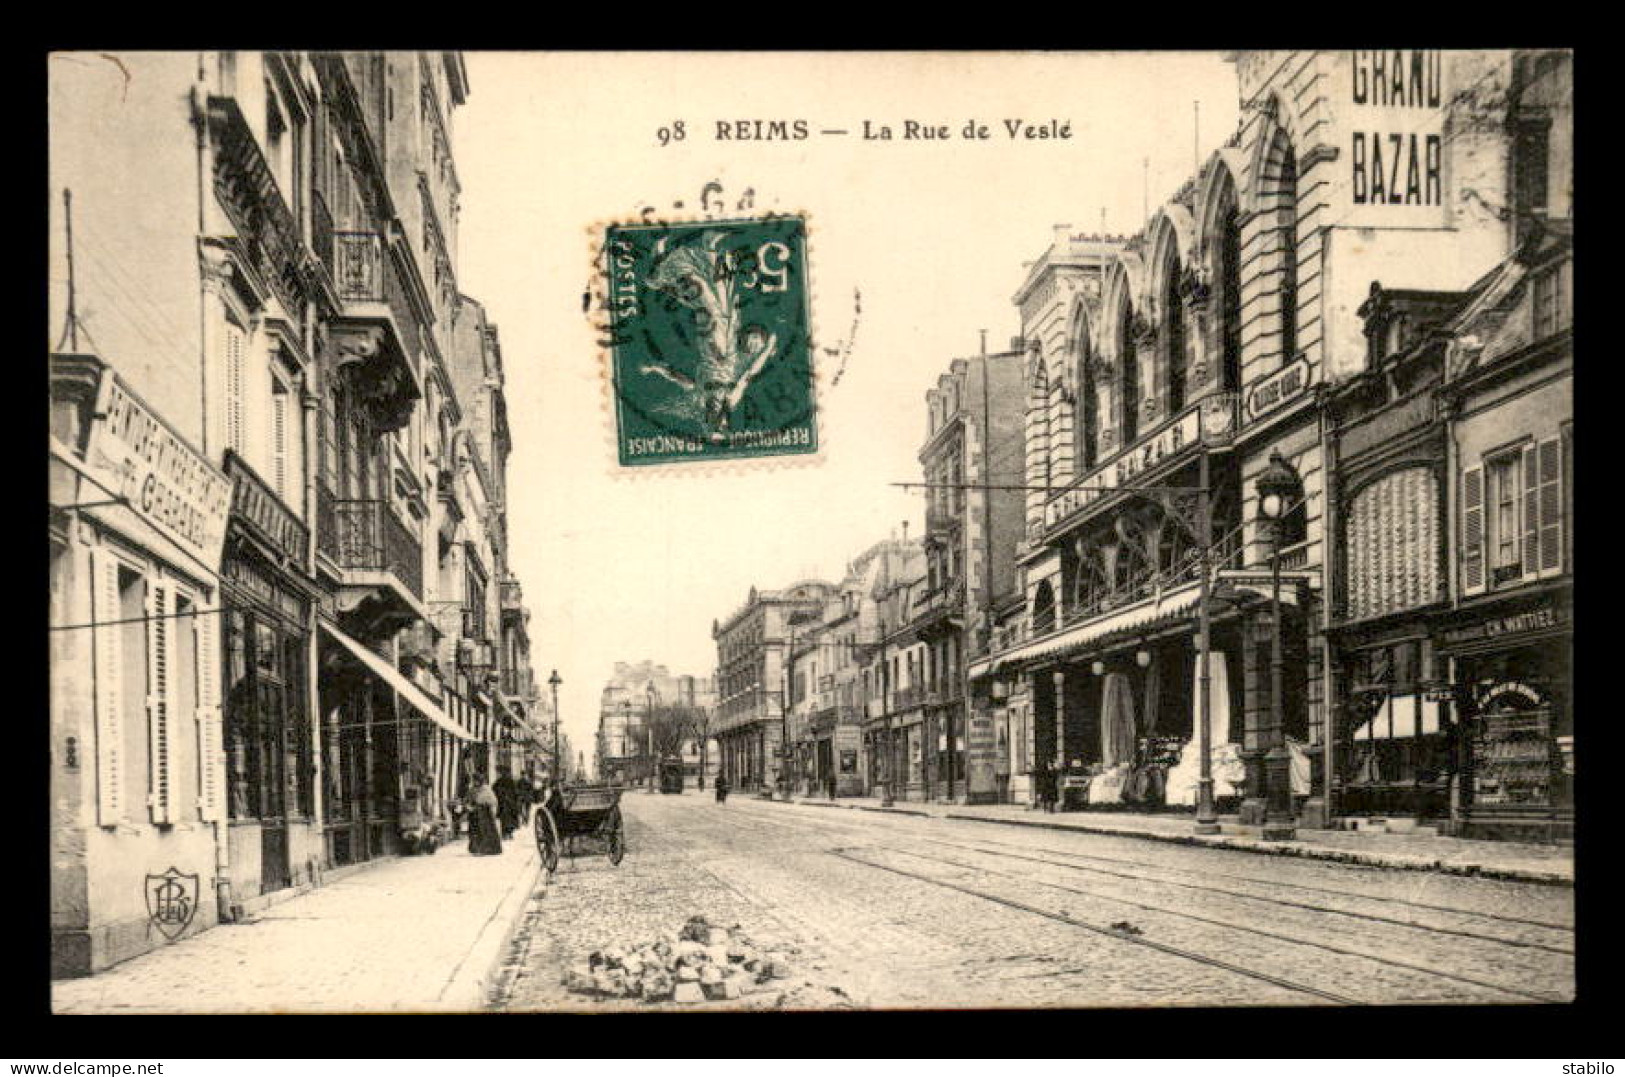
x=1121, y=335
x=1087, y=374
x=1271, y=201
x=1173, y=242
x=1049, y=446
x=1218, y=226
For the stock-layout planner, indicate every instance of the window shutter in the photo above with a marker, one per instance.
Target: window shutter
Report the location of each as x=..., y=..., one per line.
x=279, y=441
x=109, y=671
x=159, y=599
x=209, y=754
x=234, y=386
x=1530, y=559
x=1551, y=508
x=1472, y=530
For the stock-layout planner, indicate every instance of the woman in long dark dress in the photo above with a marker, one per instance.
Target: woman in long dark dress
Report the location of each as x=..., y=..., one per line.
x=507, y=794
x=484, y=838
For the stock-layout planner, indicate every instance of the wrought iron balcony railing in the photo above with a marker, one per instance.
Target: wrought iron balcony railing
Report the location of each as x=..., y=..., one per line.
x=943, y=519
x=358, y=266
x=905, y=698
x=247, y=188
x=365, y=273
x=366, y=536
x=1295, y=558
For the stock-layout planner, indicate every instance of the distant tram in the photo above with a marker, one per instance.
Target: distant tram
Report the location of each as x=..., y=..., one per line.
x=671, y=775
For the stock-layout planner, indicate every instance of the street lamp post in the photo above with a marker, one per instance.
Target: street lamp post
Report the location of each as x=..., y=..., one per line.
x=554, y=681
x=1279, y=488
x=1207, y=819
x=784, y=709
x=888, y=788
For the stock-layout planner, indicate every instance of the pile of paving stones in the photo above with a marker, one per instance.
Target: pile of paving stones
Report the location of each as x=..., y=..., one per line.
x=699, y=963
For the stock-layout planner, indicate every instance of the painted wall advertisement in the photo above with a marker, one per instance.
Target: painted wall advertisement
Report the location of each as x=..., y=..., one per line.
x=1394, y=157
x=163, y=479
x=980, y=775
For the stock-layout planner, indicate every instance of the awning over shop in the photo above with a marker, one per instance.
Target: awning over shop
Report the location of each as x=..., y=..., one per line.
x=1144, y=615
x=398, y=681
x=1401, y=716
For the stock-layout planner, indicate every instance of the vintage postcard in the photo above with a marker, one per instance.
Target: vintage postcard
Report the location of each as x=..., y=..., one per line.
x=607, y=531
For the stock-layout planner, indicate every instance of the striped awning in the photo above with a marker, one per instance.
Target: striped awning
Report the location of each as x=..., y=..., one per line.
x=1146, y=614
x=397, y=680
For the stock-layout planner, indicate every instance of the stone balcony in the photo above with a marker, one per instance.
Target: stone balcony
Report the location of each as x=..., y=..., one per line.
x=375, y=333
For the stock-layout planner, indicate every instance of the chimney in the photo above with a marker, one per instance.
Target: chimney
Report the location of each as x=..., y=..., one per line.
x=1063, y=233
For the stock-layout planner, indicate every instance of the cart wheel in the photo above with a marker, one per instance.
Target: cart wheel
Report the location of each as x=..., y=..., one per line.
x=617, y=839
x=547, y=840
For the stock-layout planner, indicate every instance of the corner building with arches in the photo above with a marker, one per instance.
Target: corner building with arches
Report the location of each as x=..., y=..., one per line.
x=1166, y=368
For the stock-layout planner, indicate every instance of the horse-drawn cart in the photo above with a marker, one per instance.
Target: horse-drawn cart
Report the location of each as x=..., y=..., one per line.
x=575, y=814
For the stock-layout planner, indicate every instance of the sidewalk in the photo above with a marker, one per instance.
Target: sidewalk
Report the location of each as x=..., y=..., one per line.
x=419, y=933
x=1522, y=862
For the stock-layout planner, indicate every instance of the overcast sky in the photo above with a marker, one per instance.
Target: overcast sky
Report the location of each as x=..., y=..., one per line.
x=631, y=564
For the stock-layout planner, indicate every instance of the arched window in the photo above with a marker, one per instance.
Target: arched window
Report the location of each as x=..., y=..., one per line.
x=1088, y=403
x=1287, y=193
x=1173, y=333
x=1131, y=376
x=1043, y=608
x=1229, y=285
x=1038, y=439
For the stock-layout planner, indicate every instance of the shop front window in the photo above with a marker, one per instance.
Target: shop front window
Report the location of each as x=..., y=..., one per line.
x=1521, y=729
x=268, y=752
x=1399, y=760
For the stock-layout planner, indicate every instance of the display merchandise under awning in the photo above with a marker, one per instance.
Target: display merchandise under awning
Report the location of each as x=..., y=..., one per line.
x=397, y=680
x=1401, y=716
x=1142, y=616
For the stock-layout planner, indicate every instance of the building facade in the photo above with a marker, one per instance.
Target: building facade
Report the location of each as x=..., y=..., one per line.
x=627, y=753
x=1508, y=398
x=972, y=461
x=1168, y=368
x=834, y=649
x=893, y=678
x=255, y=699
x=752, y=682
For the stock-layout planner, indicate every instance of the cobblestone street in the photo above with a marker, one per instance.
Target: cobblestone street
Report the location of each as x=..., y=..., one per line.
x=891, y=911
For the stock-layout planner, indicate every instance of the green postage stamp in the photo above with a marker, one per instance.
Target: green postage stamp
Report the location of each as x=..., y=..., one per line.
x=710, y=340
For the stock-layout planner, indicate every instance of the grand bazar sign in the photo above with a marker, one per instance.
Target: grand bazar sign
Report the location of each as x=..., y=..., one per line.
x=163, y=479
x=1396, y=132
x=1182, y=432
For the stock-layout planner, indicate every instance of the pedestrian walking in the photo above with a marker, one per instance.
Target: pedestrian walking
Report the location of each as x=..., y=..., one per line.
x=484, y=837
x=722, y=789
x=522, y=790
x=1048, y=787
x=829, y=785
x=506, y=791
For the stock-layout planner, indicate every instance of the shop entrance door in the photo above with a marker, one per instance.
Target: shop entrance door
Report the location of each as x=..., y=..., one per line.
x=274, y=873
x=345, y=767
